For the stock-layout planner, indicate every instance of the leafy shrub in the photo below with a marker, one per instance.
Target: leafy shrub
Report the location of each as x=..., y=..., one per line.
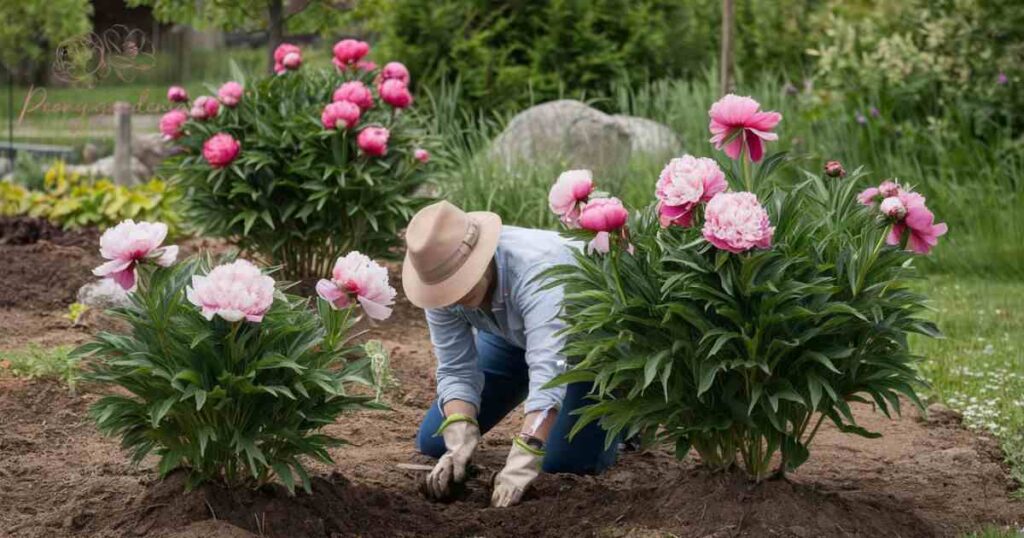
x=289, y=188
x=237, y=401
x=737, y=338
x=923, y=57
x=72, y=200
x=510, y=53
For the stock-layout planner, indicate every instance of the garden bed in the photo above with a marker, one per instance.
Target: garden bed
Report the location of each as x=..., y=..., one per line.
x=58, y=476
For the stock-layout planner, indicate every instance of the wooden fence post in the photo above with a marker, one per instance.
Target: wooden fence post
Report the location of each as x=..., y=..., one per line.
x=123, y=143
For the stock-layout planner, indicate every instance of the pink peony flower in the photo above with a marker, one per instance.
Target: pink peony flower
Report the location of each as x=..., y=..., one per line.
x=233, y=291
x=348, y=52
x=421, y=155
x=868, y=196
x=171, y=122
x=220, y=149
x=893, y=207
x=204, y=108
x=737, y=122
x=395, y=93
x=230, y=93
x=871, y=195
x=354, y=92
x=835, y=169
x=684, y=183
x=130, y=243
x=736, y=222
x=919, y=221
x=287, y=57
x=177, y=94
x=395, y=71
x=359, y=276
x=603, y=215
x=569, y=194
x=340, y=114
x=889, y=188
x=373, y=141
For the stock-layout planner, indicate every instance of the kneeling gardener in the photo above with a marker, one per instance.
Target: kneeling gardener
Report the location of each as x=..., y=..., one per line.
x=495, y=335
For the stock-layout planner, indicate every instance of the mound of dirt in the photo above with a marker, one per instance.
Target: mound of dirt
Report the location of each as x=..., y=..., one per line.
x=29, y=230
x=59, y=477
x=43, y=266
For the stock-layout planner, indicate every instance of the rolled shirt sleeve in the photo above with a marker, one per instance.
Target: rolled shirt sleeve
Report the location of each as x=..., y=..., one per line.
x=458, y=376
x=542, y=319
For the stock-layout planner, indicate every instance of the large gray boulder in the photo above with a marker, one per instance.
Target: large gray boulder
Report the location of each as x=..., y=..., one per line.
x=103, y=294
x=578, y=136
x=650, y=137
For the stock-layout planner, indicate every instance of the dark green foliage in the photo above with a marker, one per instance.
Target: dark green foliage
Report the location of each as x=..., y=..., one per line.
x=297, y=194
x=509, y=53
x=235, y=402
x=743, y=356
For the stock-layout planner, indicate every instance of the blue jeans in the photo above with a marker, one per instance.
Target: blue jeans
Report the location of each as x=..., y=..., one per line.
x=506, y=384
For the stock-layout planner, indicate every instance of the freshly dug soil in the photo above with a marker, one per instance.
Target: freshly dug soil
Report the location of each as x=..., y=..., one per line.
x=42, y=266
x=58, y=477
x=29, y=230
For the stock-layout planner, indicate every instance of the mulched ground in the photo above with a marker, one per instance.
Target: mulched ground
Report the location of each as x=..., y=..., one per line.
x=58, y=477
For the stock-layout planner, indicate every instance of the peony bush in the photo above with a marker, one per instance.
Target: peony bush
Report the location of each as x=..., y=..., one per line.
x=303, y=166
x=222, y=373
x=740, y=310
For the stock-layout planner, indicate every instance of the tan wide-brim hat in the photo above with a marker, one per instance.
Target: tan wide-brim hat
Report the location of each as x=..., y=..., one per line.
x=447, y=252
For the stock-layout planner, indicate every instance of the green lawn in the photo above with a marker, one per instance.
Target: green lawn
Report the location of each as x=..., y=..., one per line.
x=978, y=369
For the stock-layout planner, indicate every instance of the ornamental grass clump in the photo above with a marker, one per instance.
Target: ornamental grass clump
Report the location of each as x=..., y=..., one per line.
x=222, y=373
x=739, y=311
x=305, y=165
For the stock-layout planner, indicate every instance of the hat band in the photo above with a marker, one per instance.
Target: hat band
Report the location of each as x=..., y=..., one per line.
x=456, y=260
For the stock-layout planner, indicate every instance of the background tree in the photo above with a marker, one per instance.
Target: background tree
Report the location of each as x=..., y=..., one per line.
x=33, y=28
x=276, y=17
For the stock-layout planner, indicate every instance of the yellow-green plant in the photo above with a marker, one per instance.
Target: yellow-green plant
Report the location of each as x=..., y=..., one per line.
x=72, y=200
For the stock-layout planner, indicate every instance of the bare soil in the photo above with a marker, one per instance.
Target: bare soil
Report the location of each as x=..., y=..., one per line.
x=59, y=477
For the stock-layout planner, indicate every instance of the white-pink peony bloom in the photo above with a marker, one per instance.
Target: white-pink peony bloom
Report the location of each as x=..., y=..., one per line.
x=233, y=291
x=736, y=222
x=684, y=183
x=569, y=194
x=357, y=276
x=130, y=243
x=893, y=207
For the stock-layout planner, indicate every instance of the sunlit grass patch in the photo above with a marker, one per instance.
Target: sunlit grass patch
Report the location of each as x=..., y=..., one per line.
x=38, y=362
x=978, y=369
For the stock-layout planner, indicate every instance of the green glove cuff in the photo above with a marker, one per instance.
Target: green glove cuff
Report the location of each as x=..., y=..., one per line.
x=522, y=444
x=452, y=419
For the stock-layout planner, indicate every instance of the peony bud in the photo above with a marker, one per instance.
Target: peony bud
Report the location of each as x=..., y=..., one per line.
x=354, y=92
x=171, y=123
x=220, y=150
x=374, y=141
x=204, y=108
x=421, y=155
x=834, y=169
x=395, y=93
x=230, y=93
x=177, y=94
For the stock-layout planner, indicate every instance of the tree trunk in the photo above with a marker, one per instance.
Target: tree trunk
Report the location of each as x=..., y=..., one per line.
x=725, y=63
x=275, y=30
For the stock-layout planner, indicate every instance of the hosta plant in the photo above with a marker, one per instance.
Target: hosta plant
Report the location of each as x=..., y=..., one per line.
x=305, y=165
x=739, y=311
x=222, y=373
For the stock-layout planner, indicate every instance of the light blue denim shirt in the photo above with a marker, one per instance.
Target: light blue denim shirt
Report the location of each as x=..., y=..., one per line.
x=521, y=313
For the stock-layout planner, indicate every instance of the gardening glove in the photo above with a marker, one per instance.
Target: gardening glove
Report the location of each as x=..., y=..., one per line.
x=461, y=435
x=521, y=468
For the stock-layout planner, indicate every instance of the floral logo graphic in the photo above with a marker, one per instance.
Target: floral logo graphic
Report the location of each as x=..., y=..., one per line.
x=118, y=50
